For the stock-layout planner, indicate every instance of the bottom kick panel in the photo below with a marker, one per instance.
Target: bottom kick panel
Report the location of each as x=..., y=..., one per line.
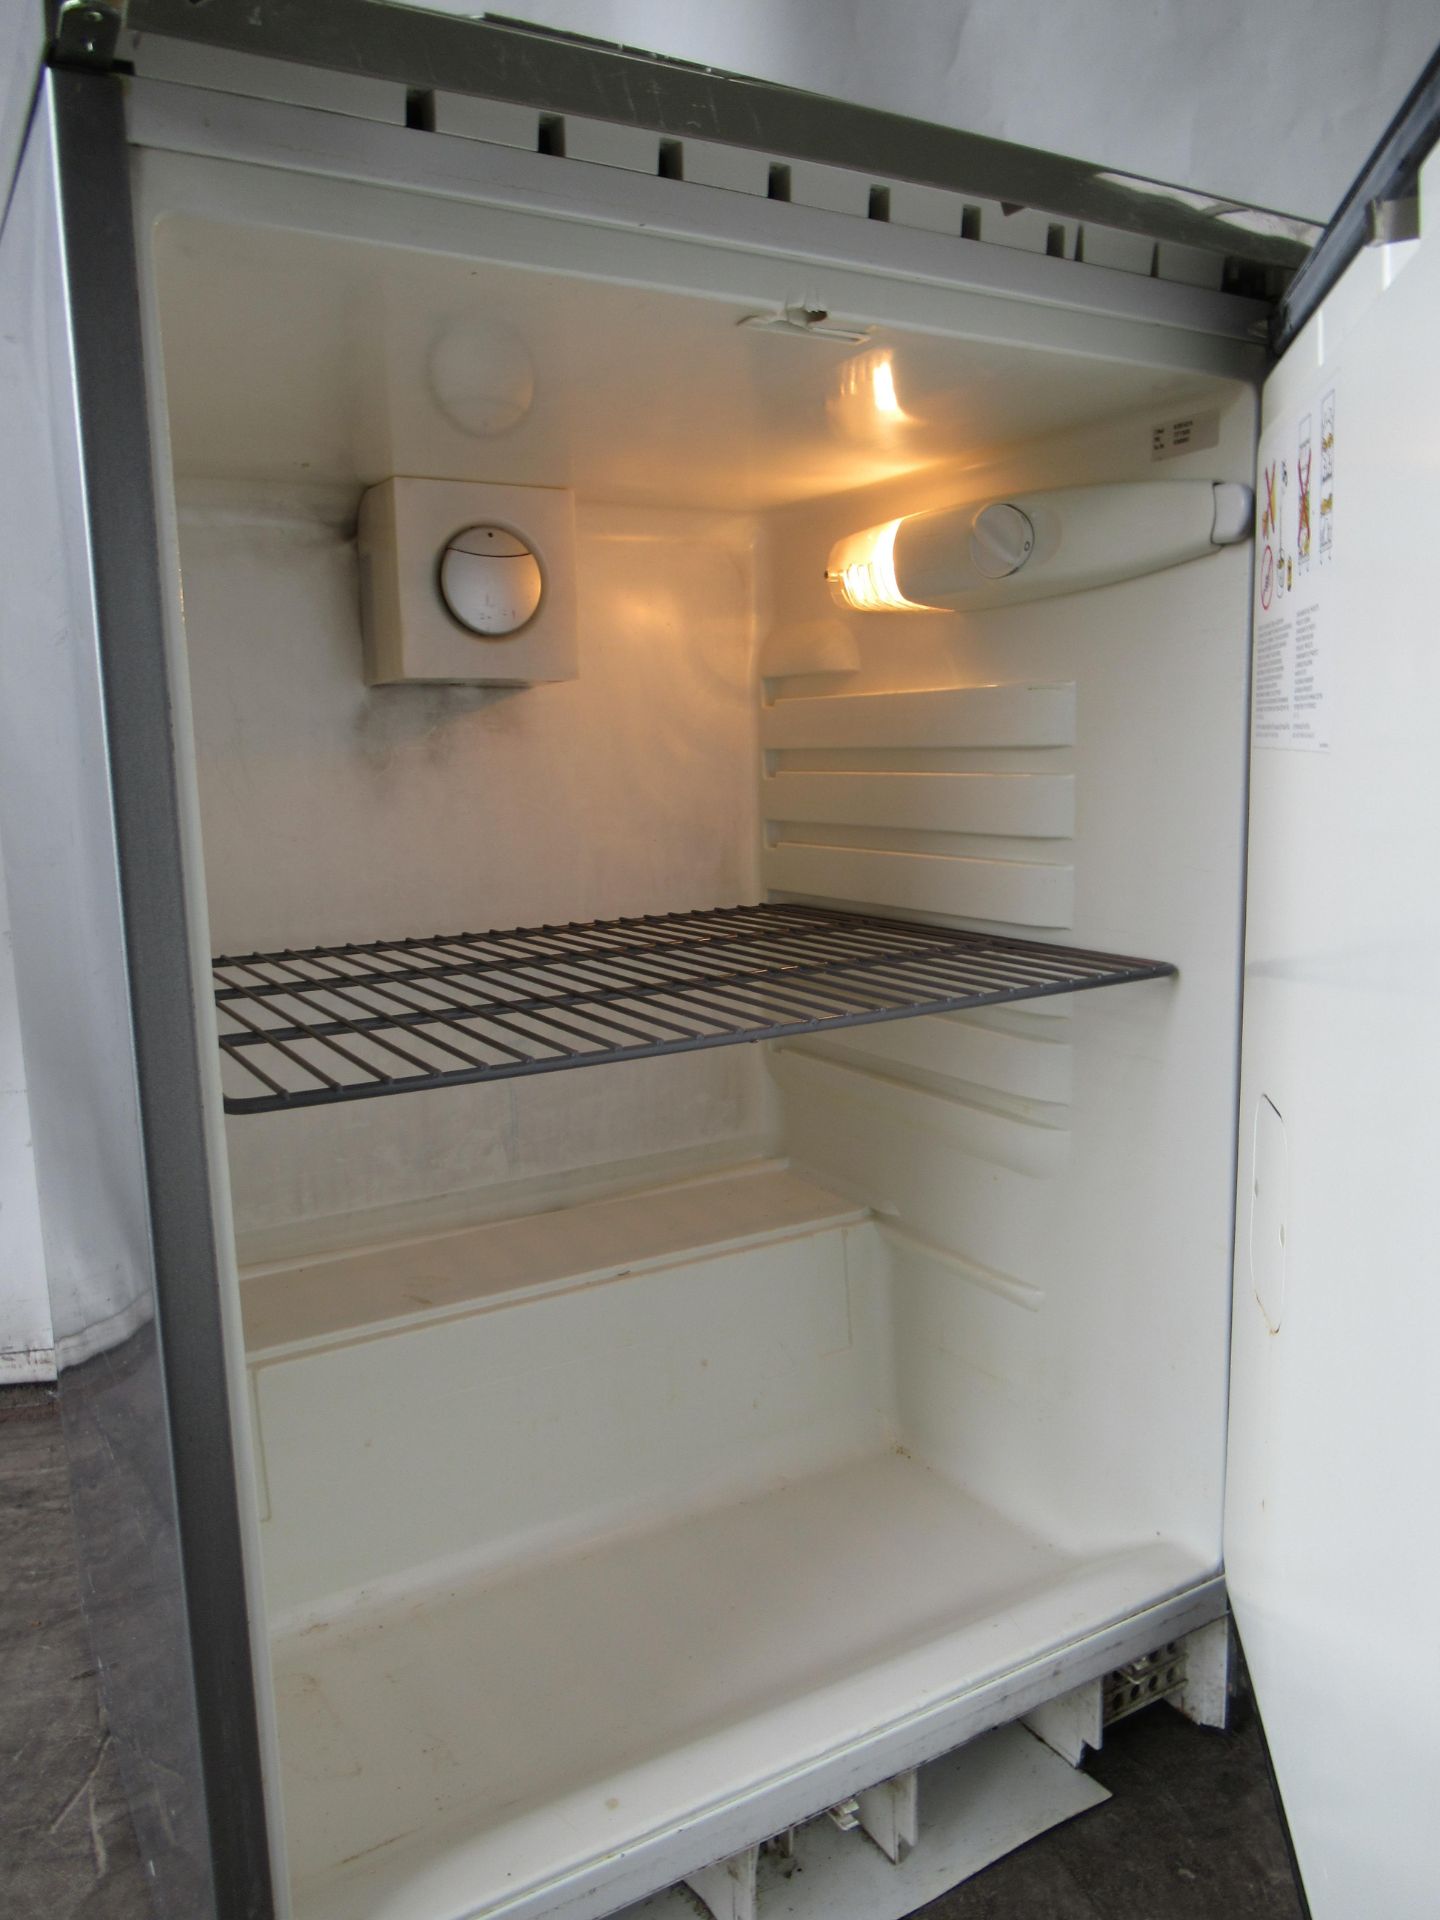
x=976, y=1805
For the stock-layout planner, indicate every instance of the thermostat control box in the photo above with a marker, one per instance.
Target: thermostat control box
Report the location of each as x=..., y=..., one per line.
x=467, y=584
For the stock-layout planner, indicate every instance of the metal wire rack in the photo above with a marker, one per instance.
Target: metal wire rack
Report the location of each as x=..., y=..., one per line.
x=304, y=1029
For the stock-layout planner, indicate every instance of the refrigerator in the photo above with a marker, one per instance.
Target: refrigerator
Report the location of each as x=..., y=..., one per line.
x=717, y=820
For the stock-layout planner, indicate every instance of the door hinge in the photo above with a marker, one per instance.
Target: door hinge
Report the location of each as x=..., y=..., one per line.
x=1387, y=221
x=86, y=35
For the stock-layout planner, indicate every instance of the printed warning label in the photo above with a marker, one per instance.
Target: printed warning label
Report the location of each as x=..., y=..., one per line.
x=1271, y=710
x=1289, y=705
x=1289, y=692
x=1308, y=726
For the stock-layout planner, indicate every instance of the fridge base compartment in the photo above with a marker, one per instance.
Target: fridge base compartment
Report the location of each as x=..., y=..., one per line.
x=974, y=1806
x=500, y=1747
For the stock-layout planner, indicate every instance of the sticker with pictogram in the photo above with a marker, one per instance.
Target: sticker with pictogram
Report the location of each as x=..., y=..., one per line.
x=1290, y=693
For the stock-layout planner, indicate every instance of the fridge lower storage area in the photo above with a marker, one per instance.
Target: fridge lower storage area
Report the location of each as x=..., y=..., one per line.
x=583, y=1521
x=649, y=1457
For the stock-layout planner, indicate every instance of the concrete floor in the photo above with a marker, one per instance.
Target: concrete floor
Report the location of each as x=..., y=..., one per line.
x=1191, y=1834
x=67, y=1849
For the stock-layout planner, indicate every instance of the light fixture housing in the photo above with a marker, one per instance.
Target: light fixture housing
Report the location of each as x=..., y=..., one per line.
x=862, y=574
x=1029, y=546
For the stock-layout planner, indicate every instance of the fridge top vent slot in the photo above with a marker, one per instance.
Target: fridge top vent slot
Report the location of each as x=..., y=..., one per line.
x=301, y=1029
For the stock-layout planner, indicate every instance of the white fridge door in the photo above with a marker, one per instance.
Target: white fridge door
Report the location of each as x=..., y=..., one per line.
x=1333, y=1495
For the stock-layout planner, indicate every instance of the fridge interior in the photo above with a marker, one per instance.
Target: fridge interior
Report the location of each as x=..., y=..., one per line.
x=627, y=1436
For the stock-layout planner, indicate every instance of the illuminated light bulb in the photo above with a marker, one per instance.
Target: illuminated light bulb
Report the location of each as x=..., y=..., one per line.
x=862, y=573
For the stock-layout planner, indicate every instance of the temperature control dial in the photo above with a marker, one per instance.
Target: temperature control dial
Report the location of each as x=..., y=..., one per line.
x=1001, y=541
x=490, y=581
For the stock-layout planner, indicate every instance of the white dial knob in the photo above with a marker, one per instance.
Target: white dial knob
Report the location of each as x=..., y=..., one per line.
x=1001, y=541
x=490, y=581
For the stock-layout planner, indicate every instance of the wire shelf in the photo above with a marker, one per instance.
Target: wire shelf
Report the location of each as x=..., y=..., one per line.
x=305, y=1029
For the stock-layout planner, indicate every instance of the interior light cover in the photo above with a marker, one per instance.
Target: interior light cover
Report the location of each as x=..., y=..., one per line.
x=861, y=572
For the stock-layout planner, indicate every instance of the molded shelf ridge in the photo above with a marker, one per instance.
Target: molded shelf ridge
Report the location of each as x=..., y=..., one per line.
x=308, y=1028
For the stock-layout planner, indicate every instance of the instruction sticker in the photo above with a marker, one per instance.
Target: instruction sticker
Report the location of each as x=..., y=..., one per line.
x=1192, y=434
x=1295, y=550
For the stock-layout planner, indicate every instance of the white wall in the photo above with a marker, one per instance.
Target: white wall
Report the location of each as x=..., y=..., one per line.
x=1276, y=104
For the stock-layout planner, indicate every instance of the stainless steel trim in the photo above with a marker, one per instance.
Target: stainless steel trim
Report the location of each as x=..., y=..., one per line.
x=100, y=268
